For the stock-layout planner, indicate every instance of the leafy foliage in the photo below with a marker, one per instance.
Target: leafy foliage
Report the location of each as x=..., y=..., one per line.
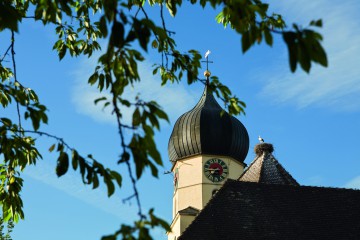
x=140, y=229
x=304, y=47
x=130, y=34
x=9, y=228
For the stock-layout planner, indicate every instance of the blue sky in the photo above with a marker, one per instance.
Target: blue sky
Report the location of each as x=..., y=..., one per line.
x=313, y=119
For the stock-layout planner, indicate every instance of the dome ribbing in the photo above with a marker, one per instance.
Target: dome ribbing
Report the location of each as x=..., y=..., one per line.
x=208, y=129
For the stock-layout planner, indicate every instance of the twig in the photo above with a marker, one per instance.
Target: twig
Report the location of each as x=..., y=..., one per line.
x=6, y=52
x=163, y=20
x=128, y=198
x=122, y=140
x=51, y=136
x=164, y=27
x=15, y=76
x=270, y=29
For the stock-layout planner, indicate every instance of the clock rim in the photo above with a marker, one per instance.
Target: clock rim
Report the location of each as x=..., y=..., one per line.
x=220, y=179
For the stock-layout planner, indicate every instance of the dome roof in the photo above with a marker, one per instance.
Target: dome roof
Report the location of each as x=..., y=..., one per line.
x=208, y=129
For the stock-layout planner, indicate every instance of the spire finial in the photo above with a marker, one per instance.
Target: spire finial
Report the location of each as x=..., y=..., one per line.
x=207, y=73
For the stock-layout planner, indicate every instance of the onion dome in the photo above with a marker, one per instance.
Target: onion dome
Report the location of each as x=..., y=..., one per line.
x=208, y=129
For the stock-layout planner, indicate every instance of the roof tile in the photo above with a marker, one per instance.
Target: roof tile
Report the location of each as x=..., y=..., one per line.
x=247, y=210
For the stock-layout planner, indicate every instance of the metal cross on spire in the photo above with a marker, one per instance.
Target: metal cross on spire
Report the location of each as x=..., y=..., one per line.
x=207, y=59
x=207, y=73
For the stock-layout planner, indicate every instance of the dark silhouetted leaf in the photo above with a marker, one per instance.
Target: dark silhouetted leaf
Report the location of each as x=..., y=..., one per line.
x=62, y=164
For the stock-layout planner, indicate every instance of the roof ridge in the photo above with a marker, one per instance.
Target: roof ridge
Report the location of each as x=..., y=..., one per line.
x=231, y=181
x=249, y=168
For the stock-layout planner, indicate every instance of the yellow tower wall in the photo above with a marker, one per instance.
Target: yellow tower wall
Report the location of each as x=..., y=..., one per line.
x=194, y=189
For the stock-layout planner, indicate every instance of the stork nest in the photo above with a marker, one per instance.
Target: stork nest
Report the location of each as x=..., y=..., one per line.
x=263, y=147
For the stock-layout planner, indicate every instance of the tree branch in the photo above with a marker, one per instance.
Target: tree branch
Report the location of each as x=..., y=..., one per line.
x=123, y=145
x=15, y=76
x=6, y=53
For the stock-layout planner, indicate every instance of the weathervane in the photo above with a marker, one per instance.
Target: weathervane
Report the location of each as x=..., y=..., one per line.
x=207, y=73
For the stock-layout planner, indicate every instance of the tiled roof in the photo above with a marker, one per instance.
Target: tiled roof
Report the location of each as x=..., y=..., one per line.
x=266, y=169
x=247, y=210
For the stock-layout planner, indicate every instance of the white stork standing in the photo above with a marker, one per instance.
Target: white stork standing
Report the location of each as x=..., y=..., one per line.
x=261, y=140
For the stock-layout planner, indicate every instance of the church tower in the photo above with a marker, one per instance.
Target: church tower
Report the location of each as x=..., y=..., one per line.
x=207, y=146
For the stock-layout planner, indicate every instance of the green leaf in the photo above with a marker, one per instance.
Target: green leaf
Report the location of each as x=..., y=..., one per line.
x=171, y=6
x=289, y=38
x=117, y=34
x=62, y=164
x=82, y=166
x=89, y=175
x=117, y=177
x=62, y=50
x=93, y=78
x=154, y=170
x=101, y=82
x=75, y=159
x=52, y=148
x=111, y=237
x=142, y=32
x=136, y=119
x=109, y=184
x=60, y=147
x=317, y=23
x=303, y=57
x=154, y=44
x=102, y=26
x=322, y=58
x=161, y=114
x=245, y=41
x=155, y=221
x=268, y=37
x=95, y=181
x=153, y=152
x=124, y=157
x=96, y=101
x=9, y=16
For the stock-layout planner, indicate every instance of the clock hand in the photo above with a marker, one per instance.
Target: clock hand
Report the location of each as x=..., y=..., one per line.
x=212, y=169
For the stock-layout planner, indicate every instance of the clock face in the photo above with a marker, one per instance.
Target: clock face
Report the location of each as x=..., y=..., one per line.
x=215, y=170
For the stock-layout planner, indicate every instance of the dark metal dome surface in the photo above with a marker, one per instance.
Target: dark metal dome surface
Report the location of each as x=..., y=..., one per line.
x=208, y=129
